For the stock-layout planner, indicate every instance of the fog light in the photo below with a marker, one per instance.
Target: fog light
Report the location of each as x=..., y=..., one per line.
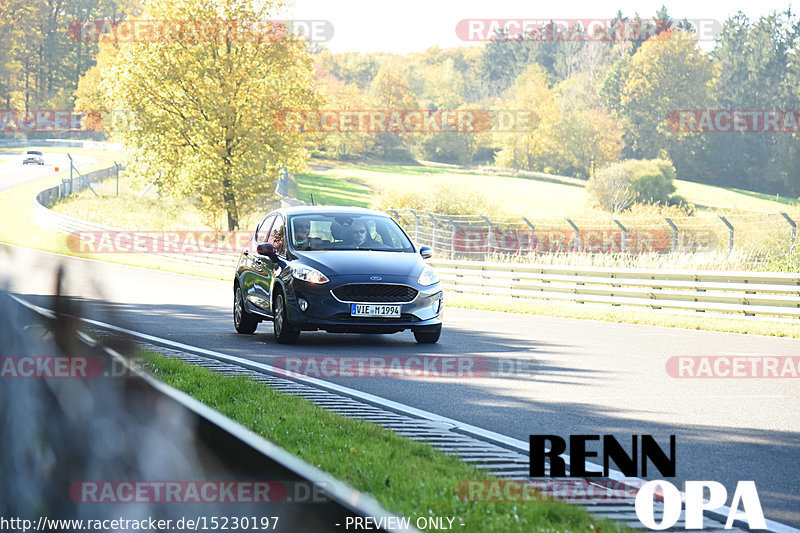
x=437, y=306
x=303, y=303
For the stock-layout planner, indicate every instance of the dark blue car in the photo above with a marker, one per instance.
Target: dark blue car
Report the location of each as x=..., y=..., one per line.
x=337, y=269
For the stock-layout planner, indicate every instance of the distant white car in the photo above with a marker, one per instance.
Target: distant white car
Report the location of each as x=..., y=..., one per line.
x=33, y=156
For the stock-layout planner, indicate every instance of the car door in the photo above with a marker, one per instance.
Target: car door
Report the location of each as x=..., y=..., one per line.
x=268, y=267
x=253, y=267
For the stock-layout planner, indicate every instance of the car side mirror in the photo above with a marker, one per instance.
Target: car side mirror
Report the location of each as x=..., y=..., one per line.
x=426, y=252
x=266, y=249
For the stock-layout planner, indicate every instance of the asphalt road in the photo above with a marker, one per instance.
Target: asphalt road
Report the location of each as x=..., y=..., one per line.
x=574, y=376
x=14, y=173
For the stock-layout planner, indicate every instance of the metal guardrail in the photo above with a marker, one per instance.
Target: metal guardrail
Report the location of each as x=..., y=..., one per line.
x=49, y=219
x=195, y=444
x=750, y=294
x=482, y=237
x=64, y=143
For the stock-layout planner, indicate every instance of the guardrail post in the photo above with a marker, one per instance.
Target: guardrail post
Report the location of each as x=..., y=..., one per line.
x=116, y=171
x=793, y=225
x=456, y=227
x=577, y=236
x=416, y=225
x=674, y=234
x=433, y=239
x=730, y=230
x=533, y=234
x=71, y=166
x=624, y=235
x=489, y=235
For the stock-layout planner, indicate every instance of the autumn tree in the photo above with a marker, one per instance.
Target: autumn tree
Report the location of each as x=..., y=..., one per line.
x=202, y=111
x=668, y=72
x=758, y=69
x=587, y=136
x=391, y=91
x=341, y=96
x=531, y=137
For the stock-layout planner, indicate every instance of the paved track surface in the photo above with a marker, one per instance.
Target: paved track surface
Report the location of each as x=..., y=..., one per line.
x=14, y=173
x=580, y=377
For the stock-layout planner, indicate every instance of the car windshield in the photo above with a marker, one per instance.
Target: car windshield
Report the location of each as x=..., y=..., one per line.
x=34, y=152
x=347, y=232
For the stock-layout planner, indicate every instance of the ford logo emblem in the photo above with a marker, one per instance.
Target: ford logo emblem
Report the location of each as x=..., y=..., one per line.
x=376, y=278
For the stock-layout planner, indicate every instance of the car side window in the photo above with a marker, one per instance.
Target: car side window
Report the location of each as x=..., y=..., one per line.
x=277, y=236
x=262, y=232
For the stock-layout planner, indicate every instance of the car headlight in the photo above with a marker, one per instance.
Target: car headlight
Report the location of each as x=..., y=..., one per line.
x=429, y=276
x=311, y=275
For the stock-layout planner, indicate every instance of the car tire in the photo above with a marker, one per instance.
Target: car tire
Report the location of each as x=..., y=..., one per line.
x=244, y=322
x=429, y=335
x=284, y=332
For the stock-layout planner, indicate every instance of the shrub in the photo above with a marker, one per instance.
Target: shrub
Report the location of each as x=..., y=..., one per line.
x=440, y=198
x=611, y=188
x=447, y=147
x=620, y=185
x=651, y=180
x=676, y=200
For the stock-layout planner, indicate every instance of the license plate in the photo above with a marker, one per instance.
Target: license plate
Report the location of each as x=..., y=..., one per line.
x=374, y=310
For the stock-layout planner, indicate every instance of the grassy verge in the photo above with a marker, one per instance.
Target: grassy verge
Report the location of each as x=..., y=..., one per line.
x=18, y=227
x=622, y=315
x=407, y=477
x=519, y=193
x=328, y=190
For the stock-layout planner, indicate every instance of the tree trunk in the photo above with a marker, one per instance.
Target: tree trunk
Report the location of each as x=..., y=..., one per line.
x=229, y=197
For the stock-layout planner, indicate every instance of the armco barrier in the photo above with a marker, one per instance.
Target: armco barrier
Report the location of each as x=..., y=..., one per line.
x=748, y=294
x=122, y=427
x=49, y=219
x=743, y=293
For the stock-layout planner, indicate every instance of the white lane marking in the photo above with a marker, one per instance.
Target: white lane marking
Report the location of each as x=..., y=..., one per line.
x=383, y=402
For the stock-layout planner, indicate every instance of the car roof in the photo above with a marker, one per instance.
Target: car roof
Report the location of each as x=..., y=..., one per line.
x=330, y=209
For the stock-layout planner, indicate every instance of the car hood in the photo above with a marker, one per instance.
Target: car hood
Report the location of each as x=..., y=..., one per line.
x=362, y=262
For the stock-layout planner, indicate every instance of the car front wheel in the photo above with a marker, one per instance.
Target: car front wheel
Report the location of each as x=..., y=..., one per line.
x=428, y=335
x=243, y=321
x=284, y=332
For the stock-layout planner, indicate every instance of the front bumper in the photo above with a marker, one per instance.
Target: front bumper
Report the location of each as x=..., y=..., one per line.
x=327, y=313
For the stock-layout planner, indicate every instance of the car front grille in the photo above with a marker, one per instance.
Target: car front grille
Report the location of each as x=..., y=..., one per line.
x=375, y=292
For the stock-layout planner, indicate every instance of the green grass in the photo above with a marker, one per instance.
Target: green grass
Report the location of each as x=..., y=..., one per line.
x=718, y=198
x=529, y=193
x=406, y=477
x=621, y=315
x=331, y=190
x=18, y=227
x=131, y=209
